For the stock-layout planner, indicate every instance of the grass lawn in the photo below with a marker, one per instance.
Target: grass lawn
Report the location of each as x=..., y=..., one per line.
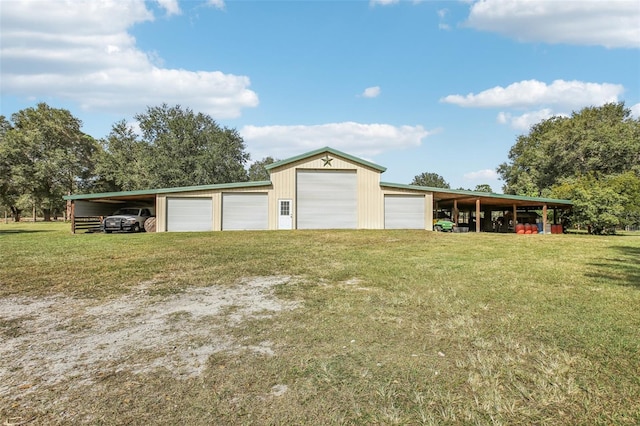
x=389, y=327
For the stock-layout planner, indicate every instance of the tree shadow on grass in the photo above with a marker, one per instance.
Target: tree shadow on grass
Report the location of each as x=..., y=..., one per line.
x=623, y=269
x=22, y=231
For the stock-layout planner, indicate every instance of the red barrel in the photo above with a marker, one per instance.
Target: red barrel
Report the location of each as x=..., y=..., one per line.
x=534, y=228
x=527, y=228
x=519, y=228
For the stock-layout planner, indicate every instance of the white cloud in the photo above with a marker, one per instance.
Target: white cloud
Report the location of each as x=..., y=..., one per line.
x=486, y=174
x=613, y=24
x=359, y=139
x=442, y=15
x=134, y=126
x=382, y=2
x=525, y=121
x=219, y=4
x=482, y=177
x=371, y=92
x=527, y=93
x=538, y=100
x=503, y=117
x=171, y=6
x=635, y=110
x=81, y=51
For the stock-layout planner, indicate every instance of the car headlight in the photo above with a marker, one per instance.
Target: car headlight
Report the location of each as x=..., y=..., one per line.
x=131, y=220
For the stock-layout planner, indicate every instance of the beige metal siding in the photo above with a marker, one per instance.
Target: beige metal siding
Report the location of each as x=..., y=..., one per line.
x=284, y=187
x=370, y=199
x=216, y=197
x=161, y=213
x=428, y=211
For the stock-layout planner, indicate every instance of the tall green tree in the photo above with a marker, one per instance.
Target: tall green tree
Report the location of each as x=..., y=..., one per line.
x=627, y=185
x=596, y=203
x=433, y=180
x=591, y=158
x=46, y=156
x=603, y=140
x=174, y=147
x=191, y=149
x=124, y=164
x=483, y=187
x=10, y=190
x=258, y=171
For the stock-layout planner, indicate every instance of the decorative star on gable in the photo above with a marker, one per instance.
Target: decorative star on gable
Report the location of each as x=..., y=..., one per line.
x=327, y=161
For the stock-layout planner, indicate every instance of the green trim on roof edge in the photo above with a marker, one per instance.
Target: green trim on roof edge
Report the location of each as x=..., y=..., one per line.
x=475, y=193
x=169, y=190
x=320, y=151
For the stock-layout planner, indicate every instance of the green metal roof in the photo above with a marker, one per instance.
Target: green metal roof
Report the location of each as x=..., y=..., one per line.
x=476, y=193
x=329, y=150
x=168, y=190
x=321, y=151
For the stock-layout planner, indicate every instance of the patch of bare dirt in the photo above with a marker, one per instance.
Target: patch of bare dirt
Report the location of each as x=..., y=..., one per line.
x=51, y=339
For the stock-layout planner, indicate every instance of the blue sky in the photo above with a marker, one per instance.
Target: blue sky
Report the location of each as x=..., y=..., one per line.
x=415, y=86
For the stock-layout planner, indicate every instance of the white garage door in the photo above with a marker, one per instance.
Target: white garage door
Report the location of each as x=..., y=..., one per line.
x=189, y=214
x=327, y=199
x=404, y=212
x=245, y=211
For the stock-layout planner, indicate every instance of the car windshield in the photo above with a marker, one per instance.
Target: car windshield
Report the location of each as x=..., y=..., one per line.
x=127, y=211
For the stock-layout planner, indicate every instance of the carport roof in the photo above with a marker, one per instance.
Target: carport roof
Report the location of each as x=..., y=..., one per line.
x=145, y=193
x=498, y=200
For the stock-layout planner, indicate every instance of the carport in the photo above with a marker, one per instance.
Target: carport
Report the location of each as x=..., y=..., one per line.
x=240, y=205
x=86, y=211
x=477, y=205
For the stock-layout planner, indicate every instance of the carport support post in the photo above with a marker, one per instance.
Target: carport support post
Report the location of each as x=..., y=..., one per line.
x=515, y=217
x=455, y=212
x=478, y=215
x=544, y=218
x=72, y=213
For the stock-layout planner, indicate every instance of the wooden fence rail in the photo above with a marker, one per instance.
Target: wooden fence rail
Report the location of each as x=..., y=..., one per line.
x=86, y=223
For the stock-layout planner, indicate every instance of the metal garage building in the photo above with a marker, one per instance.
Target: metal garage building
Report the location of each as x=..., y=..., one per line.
x=321, y=189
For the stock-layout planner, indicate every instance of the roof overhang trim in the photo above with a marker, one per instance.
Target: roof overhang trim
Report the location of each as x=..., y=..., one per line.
x=153, y=192
x=469, y=196
x=329, y=150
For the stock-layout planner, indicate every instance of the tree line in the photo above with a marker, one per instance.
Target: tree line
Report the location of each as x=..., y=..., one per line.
x=591, y=158
x=434, y=180
x=44, y=155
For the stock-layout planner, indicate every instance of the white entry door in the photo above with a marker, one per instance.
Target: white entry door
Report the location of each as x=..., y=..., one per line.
x=285, y=214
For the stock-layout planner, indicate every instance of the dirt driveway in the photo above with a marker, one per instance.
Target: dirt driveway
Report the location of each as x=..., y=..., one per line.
x=50, y=339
